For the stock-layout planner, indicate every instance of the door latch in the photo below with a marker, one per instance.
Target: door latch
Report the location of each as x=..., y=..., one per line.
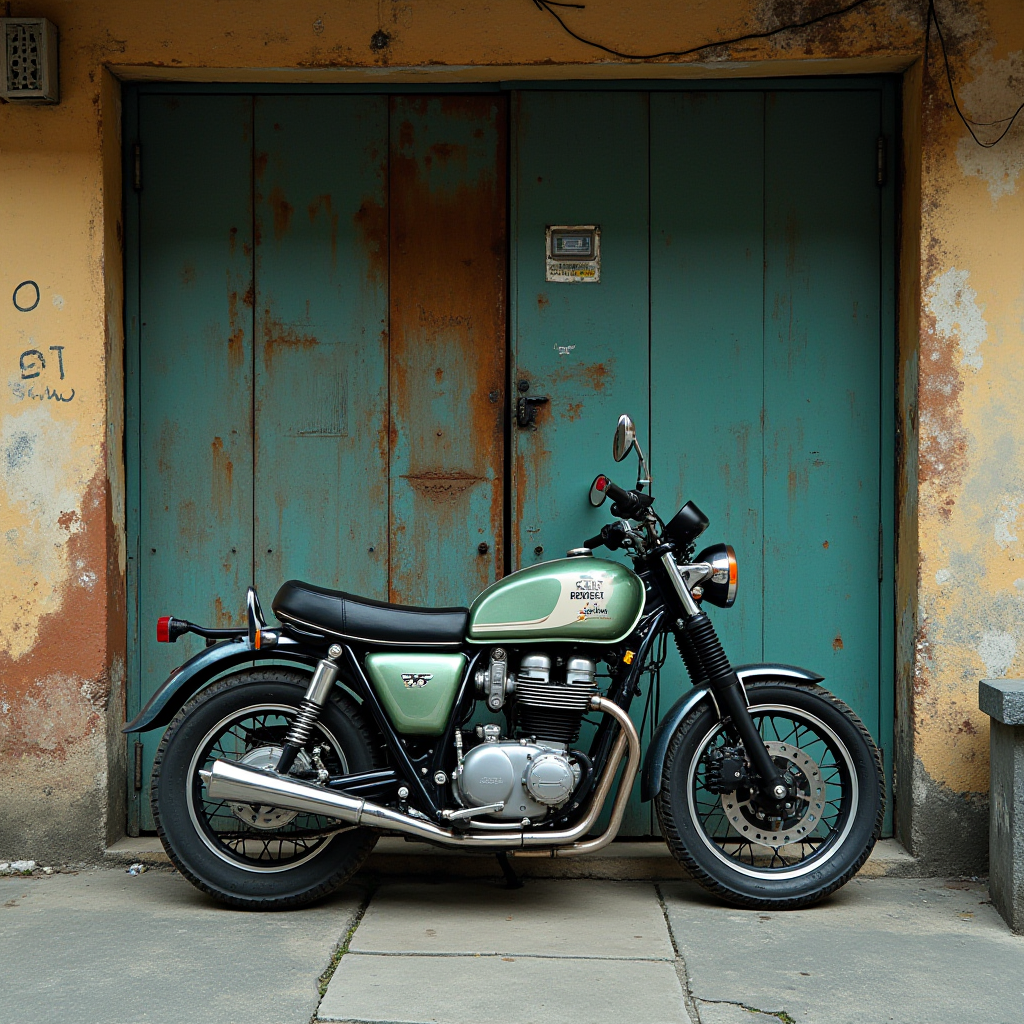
x=526, y=406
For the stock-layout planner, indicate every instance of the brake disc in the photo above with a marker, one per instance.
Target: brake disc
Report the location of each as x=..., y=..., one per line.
x=262, y=815
x=749, y=820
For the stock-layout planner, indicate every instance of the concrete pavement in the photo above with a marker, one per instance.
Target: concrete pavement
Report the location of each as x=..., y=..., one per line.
x=103, y=947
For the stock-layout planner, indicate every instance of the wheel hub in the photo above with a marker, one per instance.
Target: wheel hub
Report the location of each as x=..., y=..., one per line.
x=776, y=823
x=260, y=815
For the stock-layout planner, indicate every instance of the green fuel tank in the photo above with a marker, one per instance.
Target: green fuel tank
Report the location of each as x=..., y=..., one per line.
x=582, y=599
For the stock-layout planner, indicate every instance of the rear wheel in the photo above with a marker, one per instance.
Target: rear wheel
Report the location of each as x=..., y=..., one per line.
x=258, y=857
x=767, y=855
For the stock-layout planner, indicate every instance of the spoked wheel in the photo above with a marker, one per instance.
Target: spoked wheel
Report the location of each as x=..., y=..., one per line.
x=768, y=854
x=256, y=856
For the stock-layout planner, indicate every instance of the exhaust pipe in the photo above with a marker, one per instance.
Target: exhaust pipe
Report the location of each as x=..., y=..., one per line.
x=231, y=781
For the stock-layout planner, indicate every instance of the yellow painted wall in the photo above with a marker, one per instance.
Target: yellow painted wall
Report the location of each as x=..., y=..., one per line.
x=62, y=549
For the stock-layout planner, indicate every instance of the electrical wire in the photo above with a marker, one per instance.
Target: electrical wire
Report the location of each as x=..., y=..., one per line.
x=933, y=17
x=549, y=5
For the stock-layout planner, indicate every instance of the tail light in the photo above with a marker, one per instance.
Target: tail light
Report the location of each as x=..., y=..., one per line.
x=168, y=629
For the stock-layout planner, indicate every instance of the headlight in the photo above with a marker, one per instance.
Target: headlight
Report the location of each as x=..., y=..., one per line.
x=720, y=589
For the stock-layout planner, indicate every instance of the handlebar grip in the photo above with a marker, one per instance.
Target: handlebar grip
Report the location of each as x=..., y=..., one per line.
x=594, y=542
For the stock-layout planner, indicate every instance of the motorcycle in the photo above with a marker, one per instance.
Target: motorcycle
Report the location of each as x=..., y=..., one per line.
x=290, y=749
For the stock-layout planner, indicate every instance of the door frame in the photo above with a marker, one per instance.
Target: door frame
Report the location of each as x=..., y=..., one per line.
x=888, y=87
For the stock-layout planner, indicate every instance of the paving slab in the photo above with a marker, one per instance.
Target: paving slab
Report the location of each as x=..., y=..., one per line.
x=510, y=990
x=546, y=917
x=104, y=947
x=918, y=951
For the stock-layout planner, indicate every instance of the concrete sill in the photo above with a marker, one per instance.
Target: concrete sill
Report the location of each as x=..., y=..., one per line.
x=628, y=859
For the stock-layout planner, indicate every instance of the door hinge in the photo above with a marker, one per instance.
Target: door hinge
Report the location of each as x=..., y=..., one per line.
x=137, y=166
x=881, y=553
x=138, y=765
x=880, y=161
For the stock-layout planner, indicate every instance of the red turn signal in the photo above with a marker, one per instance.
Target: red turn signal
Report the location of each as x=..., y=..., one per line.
x=163, y=629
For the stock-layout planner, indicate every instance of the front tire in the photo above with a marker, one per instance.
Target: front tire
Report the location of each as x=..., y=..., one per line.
x=265, y=858
x=735, y=847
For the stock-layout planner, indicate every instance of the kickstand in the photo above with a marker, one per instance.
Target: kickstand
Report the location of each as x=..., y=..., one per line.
x=512, y=880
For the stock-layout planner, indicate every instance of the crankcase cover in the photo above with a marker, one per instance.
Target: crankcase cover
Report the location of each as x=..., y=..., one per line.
x=550, y=779
x=495, y=771
x=575, y=599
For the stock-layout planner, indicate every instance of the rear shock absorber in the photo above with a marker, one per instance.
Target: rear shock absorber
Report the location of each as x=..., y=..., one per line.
x=319, y=689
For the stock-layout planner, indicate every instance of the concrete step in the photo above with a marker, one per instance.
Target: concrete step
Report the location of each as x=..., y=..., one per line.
x=627, y=859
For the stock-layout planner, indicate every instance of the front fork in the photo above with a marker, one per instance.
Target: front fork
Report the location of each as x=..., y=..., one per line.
x=706, y=663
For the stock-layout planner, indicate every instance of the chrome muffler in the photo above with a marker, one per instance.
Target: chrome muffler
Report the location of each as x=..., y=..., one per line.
x=237, y=783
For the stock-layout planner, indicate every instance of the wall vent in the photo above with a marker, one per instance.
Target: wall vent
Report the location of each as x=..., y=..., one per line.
x=28, y=60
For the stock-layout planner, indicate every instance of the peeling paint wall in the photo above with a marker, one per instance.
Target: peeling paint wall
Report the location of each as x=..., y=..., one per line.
x=970, y=591
x=62, y=504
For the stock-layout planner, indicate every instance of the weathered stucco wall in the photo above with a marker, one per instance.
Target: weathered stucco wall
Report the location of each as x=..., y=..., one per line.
x=971, y=448
x=62, y=548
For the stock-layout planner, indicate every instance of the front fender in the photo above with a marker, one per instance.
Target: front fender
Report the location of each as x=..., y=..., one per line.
x=183, y=682
x=654, y=762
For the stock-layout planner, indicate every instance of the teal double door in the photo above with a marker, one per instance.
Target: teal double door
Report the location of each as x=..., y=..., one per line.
x=334, y=302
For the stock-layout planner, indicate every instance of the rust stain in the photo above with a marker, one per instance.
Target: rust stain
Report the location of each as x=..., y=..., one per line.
x=278, y=337
x=222, y=475
x=543, y=301
x=447, y=345
x=575, y=408
x=282, y=211
x=371, y=219
x=824, y=544
x=188, y=274
x=67, y=519
x=232, y=240
x=324, y=203
x=249, y=298
x=236, y=335
x=261, y=164
x=837, y=644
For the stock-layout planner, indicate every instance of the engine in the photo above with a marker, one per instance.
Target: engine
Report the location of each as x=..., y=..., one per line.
x=535, y=771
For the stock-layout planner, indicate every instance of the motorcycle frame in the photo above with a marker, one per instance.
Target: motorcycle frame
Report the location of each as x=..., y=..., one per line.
x=415, y=760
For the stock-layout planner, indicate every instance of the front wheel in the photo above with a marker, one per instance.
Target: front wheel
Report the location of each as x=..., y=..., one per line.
x=771, y=856
x=252, y=856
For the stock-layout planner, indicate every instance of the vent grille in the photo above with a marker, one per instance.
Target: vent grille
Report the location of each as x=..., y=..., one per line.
x=29, y=60
x=563, y=697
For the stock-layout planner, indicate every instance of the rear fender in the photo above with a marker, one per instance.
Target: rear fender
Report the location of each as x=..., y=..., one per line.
x=654, y=762
x=214, y=661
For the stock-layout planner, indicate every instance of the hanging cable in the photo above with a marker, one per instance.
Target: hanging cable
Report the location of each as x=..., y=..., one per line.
x=933, y=18
x=549, y=5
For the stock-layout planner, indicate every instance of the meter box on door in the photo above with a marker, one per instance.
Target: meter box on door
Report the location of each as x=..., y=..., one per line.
x=573, y=253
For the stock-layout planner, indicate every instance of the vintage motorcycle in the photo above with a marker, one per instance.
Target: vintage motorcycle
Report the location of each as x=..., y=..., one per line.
x=351, y=719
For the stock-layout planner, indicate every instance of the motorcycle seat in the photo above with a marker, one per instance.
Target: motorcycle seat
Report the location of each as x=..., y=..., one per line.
x=345, y=616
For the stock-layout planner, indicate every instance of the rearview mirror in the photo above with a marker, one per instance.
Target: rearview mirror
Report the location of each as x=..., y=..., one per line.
x=599, y=491
x=625, y=438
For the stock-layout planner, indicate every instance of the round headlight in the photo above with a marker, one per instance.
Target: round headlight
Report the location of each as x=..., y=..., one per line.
x=720, y=588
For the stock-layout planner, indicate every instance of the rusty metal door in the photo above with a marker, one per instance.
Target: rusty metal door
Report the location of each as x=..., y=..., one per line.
x=448, y=287
x=316, y=359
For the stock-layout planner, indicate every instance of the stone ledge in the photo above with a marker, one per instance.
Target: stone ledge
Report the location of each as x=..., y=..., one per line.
x=639, y=859
x=1002, y=699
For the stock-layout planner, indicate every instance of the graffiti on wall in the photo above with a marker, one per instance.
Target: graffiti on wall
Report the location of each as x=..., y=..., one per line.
x=32, y=363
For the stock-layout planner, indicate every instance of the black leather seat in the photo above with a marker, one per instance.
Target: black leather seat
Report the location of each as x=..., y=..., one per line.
x=335, y=613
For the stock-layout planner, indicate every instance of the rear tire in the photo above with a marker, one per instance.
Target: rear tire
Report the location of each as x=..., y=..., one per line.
x=737, y=852
x=246, y=715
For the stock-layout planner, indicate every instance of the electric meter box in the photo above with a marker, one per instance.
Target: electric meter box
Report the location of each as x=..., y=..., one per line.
x=573, y=253
x=28, y=61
